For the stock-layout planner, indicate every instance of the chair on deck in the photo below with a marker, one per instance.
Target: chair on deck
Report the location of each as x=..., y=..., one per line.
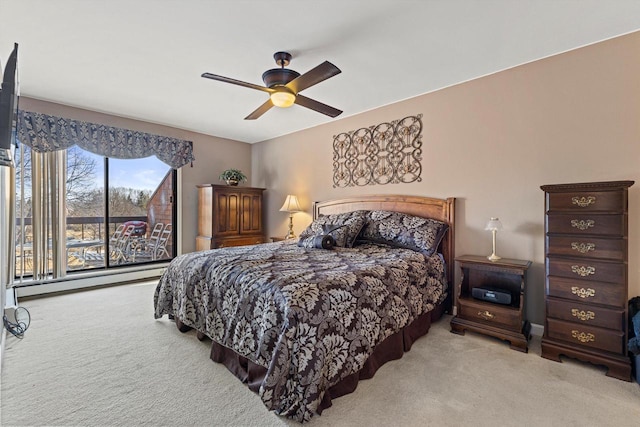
x=116, y=235
x=90, y=254
x=161, y=248
x=121, y=247
x=93, y=256
x=147, y=248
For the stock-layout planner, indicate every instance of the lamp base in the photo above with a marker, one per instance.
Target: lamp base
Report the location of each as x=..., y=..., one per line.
x=493, y=257
x=290, y=234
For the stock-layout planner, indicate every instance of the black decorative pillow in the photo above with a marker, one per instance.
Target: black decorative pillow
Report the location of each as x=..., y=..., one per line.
x=324, y=240
x=404, y=230
x=345, y=226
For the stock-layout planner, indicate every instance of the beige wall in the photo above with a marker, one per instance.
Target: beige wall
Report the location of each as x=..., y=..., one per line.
x=491, y=143
x=212, y=154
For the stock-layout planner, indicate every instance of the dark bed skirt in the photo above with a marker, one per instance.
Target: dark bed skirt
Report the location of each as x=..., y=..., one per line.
x=392, y=348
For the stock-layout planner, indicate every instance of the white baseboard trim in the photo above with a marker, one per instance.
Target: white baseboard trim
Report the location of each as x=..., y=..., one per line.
x=537, y=330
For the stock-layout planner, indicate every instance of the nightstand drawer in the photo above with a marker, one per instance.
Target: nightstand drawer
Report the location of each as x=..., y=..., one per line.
x=588, y=336
x=587, y=247
x=583, y=224
x=587, y=269
x=587, y=292
x=587, y=201
x=491, y=314
x=583, y=314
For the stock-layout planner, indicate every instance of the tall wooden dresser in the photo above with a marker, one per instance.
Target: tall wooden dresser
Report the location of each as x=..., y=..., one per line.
x=229, y=216
x=586, y=274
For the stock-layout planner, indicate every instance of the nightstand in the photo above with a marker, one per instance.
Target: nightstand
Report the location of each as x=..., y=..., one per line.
x=277, y=239
x=504, y=321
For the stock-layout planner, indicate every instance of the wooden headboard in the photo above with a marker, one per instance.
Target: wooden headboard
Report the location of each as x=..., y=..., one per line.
x=427, y=207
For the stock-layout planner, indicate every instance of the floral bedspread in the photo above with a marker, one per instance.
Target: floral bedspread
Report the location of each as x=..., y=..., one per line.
x=309, y=316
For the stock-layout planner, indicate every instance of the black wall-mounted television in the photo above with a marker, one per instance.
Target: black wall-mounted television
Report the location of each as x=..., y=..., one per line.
x=9, y=109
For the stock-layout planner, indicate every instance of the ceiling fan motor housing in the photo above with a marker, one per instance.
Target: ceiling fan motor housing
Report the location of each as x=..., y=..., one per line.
x=278, y=76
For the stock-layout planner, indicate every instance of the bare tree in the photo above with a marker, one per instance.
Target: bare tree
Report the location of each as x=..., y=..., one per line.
x=128, y=201
x=81, y=176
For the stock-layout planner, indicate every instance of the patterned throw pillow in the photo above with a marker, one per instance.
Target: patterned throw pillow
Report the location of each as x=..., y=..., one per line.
x=349, y=225
x=404, y=230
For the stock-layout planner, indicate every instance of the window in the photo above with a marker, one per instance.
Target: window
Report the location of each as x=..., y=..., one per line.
x=131, y=222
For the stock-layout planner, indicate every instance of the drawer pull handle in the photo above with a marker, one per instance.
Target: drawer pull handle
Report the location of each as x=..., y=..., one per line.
x=583, y=248
x=582, y=337
x=486, y=315
x=582, y=224
x=583, y=201
x=583, y=271
x=582, y=292
x=583, y=315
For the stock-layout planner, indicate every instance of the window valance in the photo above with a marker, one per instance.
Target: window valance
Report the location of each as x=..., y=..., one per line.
x=44, y=133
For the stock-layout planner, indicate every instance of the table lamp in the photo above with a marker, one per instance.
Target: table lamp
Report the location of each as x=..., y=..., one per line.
x=292, y=206
x=494, y=225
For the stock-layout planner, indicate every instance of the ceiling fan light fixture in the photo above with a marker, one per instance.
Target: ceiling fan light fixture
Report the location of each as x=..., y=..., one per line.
x=283, y=98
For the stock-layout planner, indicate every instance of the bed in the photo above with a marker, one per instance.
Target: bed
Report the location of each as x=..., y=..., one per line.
x=302, y=325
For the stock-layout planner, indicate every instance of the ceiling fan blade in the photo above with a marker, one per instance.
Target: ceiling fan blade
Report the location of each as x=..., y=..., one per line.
x=314, y=76
x=260, y=110
x=236, y=82
x=317, y=106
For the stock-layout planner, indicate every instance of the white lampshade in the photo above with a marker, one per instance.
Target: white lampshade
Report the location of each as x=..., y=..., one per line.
x=494, y=224
x=291, y=204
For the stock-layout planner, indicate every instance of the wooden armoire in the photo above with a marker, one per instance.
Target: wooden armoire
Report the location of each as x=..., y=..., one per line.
x=229, y=216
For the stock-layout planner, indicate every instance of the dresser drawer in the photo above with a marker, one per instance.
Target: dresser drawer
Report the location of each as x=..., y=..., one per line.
x=501, y=316
x=242, y=241
x=584, y=314
x=588, y=336
x=581, y=224
x=614, y=295
x=587, y=247
x=587, y=269
x=587, y=201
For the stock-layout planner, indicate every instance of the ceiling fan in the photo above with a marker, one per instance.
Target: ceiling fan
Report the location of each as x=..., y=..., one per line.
x=284, y=86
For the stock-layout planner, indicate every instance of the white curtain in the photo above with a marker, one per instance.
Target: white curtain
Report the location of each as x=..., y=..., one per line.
x=48, y=176
x=7, y=230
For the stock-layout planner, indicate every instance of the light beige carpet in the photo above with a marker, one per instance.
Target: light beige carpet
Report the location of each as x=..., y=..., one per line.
x=98, y=358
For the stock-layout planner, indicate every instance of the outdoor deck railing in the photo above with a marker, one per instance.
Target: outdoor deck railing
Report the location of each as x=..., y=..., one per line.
x=90, y=228
x=83, y=221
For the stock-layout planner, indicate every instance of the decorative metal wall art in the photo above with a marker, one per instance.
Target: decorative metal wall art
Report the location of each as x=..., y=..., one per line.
x=380, y=154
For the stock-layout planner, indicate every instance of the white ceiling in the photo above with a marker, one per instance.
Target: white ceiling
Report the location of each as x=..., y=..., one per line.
x=143, y=59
